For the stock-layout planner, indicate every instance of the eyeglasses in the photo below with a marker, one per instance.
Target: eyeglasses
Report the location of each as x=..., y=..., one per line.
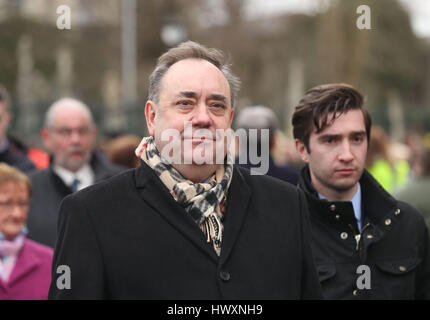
x=10, y=205
x=67, y=132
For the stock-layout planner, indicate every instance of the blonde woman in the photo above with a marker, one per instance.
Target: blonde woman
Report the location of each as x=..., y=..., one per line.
x=25, y=266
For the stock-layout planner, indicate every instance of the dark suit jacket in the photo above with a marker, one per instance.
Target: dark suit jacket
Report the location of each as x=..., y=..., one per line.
x=16, y=155
x=127, y=238
x=48, y=191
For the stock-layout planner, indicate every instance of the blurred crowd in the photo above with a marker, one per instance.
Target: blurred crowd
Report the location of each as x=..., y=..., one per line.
x=33, y=181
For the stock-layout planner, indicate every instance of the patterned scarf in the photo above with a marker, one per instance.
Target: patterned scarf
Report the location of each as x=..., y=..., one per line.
x=9, y=250
x=205, y=202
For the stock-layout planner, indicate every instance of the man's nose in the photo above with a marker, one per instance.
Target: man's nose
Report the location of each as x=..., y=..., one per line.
x=345, y=154
x=75, y=136
x=201, y=116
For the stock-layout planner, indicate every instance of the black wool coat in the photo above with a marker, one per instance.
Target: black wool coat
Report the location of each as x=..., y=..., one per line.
x=48, y=191
x=393, y=245
x=16, y=155
x=126, y=238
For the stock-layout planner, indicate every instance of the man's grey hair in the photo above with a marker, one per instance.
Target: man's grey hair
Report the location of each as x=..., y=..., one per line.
x=191, y=50
x=258, y=117
x=66, y=102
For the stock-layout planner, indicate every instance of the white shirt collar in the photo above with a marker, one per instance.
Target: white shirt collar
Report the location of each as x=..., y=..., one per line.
x=84, y=174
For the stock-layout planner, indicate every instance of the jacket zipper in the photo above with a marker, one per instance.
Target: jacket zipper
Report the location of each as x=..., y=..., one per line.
x=358, y=236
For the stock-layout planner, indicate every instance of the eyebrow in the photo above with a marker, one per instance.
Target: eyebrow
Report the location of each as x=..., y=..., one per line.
x=187, y=94
x=358, y=133
x=218, y=97
x=192, y=94
x=353, y=133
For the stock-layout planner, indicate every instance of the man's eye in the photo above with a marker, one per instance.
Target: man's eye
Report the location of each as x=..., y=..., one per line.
x=218, y=105
x=184, y=103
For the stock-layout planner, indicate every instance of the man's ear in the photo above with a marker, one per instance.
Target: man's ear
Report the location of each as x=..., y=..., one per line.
x=301, y=150
x=9, y=117
x=94, y=131
x=150, y=112
x=231, y=116
x=46, y=137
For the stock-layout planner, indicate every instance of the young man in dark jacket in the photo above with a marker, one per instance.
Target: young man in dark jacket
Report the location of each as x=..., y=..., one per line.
x=366, y=244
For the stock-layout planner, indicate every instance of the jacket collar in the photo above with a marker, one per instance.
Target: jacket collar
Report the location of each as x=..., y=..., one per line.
x=99, y=165
x=376, y=202
x=156, y=195
x=26, y=262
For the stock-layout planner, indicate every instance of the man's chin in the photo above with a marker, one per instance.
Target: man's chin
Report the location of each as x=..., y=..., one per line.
x=345, y=186
x=75, y=165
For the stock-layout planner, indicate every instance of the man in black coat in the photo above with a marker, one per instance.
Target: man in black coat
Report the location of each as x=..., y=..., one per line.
x=259, y=118
x=366, y=244
x=179, y=228
x=68, y=134
x=12, y=151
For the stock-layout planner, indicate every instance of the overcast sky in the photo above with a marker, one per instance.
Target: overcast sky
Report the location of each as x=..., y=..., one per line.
x=419, y=9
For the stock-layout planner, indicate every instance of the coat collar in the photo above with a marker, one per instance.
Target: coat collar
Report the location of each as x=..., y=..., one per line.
x=156, y=195
x=101, y=167
x=376, y=202
x=238, y=199
x=26, y=262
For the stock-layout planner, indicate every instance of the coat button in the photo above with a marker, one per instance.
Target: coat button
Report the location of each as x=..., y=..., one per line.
x=225, y=276
x=402, y=268
x=387, y=222
x=344, y=235
x=397, y=212
x=337, y=217
x=369, y=236
x=332, y=207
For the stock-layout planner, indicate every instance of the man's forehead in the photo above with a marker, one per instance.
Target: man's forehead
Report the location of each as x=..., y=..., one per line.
x=191, y=74
x=190, y=63
x=67, y=114
x=344, y=124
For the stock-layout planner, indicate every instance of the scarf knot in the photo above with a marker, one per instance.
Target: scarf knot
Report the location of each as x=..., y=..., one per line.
x=204, y=202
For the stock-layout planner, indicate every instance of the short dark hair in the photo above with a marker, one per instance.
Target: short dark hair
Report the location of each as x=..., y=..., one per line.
x=191, y=50
x=4, y=97
x=319, y=102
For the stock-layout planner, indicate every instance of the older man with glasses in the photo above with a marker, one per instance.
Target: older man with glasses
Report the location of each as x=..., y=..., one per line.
x=68, y=134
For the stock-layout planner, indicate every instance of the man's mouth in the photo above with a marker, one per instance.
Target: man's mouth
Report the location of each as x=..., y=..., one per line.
x=76, y=154
x=345, y=171
x=199, y=139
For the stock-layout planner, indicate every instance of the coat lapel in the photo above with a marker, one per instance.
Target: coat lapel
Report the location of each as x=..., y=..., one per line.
x=238, y=198
x=156, y=195
x=25, y=263
x=59, y=183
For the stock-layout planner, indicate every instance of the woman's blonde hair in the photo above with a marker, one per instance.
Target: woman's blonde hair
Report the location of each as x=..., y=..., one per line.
x=11, y=174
